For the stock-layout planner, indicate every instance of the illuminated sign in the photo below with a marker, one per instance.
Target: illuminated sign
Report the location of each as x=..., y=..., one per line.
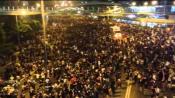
x=173, y=9
x=143, y=9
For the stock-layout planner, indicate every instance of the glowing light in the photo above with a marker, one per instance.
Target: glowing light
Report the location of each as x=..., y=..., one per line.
x=24, y=4
x=95, y=17
x=131, y=16
x=56, y=5
x=116, y=8
x=69, y=2
x=62, y=3
x=23, y=11
x=117, y=36
x=133, y=3
x=78, y=12
x=32, y=8
x=154, y=2
x=143, y=24
x=145, y=3
x=82, y=8
x=38, y=5
x=65, y=4
x=46, y=42
x=173, y=2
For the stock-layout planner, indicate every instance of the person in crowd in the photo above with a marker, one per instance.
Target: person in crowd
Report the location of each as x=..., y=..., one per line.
x=81, y=59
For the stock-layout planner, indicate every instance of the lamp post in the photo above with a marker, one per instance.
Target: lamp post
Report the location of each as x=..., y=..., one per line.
x=38, y=5
x=145, y=3
x=44, y=31
x=154, y=3
x=16, y=18
x=133, y=3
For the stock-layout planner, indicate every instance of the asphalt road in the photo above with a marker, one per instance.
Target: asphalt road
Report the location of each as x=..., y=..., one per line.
x=130, y=91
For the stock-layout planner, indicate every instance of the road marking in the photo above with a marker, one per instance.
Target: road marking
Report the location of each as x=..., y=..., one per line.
x=128, y=91
x=126, y=95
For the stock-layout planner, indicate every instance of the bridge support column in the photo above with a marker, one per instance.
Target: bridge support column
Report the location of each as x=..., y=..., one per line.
x=13, y=8
x=8, y=8
x=3, y=8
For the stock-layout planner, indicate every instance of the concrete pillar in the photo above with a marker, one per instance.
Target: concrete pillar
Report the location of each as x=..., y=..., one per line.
x=3, y=8
x=13, y=8
x=98, y=9
x=8, y=8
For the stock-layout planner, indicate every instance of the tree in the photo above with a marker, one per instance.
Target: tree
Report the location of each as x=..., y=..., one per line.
x=23, y=25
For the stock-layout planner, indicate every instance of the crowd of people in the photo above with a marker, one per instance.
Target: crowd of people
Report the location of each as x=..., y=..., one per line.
x=76, y=61
x=80, y=58
x=152, y=52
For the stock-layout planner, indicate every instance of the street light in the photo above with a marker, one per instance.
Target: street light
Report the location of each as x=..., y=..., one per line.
x=82, y=8
x=38, y=5
x=69, y=2
x=56, y=5
x=24, y=4
x=145, y=3
x=78, y=12
x=154, y=2
x=65, y=4
x=23, y=12
x=116, y=8
x=133, y=3
x=117, y=36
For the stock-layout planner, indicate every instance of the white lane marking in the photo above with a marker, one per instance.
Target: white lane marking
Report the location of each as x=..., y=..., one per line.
x=128, y=91
x=126, y=94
